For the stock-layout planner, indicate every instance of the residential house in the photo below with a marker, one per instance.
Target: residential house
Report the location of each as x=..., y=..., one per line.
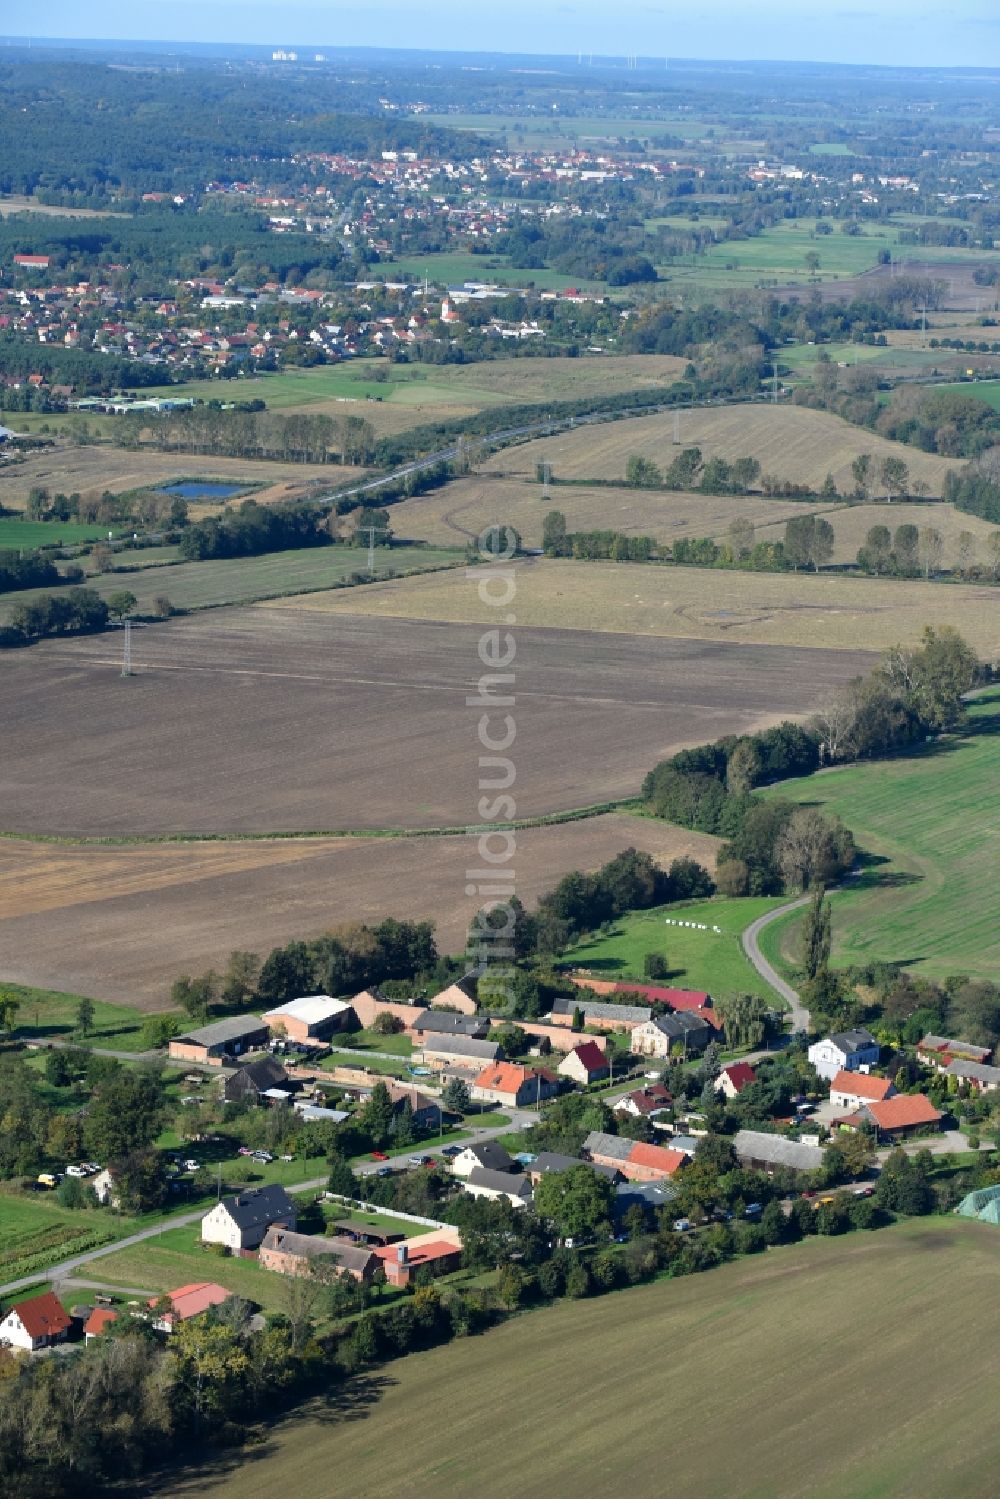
x=645, y=1103
x=548, y=1161
x=426, y=1110
x=516, y=1087
x=289, y=1253
x=847, y=1051
x=940, y=1051
x=186, y=1302
x=435, y=1023
x=103, y=1185
x=439, y=1252
x=977, y=1075
x=852, y=1090
x=496, y=1185
x=249, y=1083
x=763, y=1152
x=223, y=1038
x=633, y=1158
x=98, y=1322
x=488, y=1153
x=240, y=1222
x=585, y=1064
x=734, y=1078
x=460, y=996
x=895, y=1117
x=559, y=1037
x=314, y=1018
x=37, y=1323
x=687, y=1030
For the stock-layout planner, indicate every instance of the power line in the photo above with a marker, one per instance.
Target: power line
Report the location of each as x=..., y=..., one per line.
x=127, y=651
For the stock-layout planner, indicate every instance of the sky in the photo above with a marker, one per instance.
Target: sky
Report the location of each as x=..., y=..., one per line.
x=908, y=33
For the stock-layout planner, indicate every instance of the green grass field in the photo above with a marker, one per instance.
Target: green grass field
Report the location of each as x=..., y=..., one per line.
x=176, y=1257
x=697, y=960
x=244, y=580
x=980, y=390
x=47, y=1014
x=769, y=1385
x=28, y=534
x=929, y=822
x=35, y=1232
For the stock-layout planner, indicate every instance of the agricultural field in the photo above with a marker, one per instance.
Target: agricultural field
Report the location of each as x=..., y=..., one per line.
x=124, y=921
x=851, y=524
x=787, y=1393
x=36, y=1232
x=176, y=1257
x=928, y=822
x=243, y=580
x=16, y=535
x=341, y=721
x=828, y=612
x=791, y=442
x=460, y=511
x=65, y=468
x=710, y=960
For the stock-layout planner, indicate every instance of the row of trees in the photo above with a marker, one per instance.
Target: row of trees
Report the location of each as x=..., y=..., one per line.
x=32, y=570
x=253, y=529
x=219, y=432
x=78, y=611
x=615, y=546
x=690, y=471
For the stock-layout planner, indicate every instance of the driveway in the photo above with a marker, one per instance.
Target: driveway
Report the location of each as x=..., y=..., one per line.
x=799, y=1016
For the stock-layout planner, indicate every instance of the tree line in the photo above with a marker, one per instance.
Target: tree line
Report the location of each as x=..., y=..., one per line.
x=212, y=430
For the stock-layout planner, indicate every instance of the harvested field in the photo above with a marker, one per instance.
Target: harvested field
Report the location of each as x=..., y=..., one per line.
x=851, y=524
x=790, y=441
x=66, y=468
x=461, y=510
x=831, y=611
x=123, y=922
x=280, y=719
x=801, y=1413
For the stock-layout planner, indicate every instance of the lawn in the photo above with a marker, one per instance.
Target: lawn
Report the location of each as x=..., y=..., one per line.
x=708, y=960
x=176, y=1257
x=48, y=1014
x=928, y=823
x=244, y=580
x=980, y=390
x=774, y=1343
x=35, y=1232
x=16, y=535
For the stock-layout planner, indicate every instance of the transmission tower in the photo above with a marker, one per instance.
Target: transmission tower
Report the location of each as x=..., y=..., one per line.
x=127, y=650
x=774, y=385
x=371, y=532
x=677, y=428
x=546, y=478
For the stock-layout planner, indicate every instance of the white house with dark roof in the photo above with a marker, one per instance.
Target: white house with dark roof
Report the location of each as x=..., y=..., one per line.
x=845, y=1051
x=241, y=1222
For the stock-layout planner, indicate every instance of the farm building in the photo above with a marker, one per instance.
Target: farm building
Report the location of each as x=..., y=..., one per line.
x=460, y=996
x=316, y=1017
x=606, y=1017
x=763, y=1152
x=651, y=994
x=289, y=1253
x=240, y=1222
x=984, y=1205
x=847, y=1051
x=585, y=1064
x=440, y=1052
x=635, y=1160
x=517, y=1087
x=734, y=1078
x=35, y=1324
x=369, y=1004
x=431, y=1024
x=899, y=1116
x=223, y=1038
x=940, y=1051
x=249, y=1083
x=977, y=1075
x=548, y=1161
x=851, y=1090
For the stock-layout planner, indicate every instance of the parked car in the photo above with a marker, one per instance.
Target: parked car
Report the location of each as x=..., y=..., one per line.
x=864, y=1191
x=286, y=1157
x=264, y=1156
x=753, y=1210
x=384, y=1171
x=418, y=1160
x=245, y=1150
x=451, y=1151
x=46, y=1179
x=379, y=1155
x=192, y=1165
x=91, y=1168
x=430, y=1162
x=681, y=1225
x=76, y=1171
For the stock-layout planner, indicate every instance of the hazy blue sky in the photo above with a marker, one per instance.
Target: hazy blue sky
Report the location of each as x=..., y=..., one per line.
x=905, y=32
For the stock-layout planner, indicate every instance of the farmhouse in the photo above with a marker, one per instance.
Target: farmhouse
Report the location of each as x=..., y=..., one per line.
x=249, y=1083
x=763, y=1152
x=439, y=1252
x=489, y=1154
x=899, y=1116
x=977, y=1075
x=847, y=1051
x=585, y=1064
x=635, y=1160
x=316, y=1017
x=426, y=1110
x=517, y=1087
x=606, y=1017
x=440, y=1052
x=223, y=1038
x=241, y=1222
x=548, y=1161
x=289, y=1253
x=435, y=1023
x=851, y=1090
x=34, y=1324
x=644, y=1103
x=495, y=1185
x=688, y=1031
x=186, y=1302
x=734, y=1078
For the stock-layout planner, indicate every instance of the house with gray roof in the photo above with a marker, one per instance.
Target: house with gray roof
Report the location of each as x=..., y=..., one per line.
x=548, y=1161
x=444, y=1023
x=844, y=1051
x=481, y=1182
x=223, y=1038
x=597, y=1012
x=290, y=1253
x=488, y=1153
x=978, y=1076
x=438, y=1051
x=241, y=1221
x=763, y=1152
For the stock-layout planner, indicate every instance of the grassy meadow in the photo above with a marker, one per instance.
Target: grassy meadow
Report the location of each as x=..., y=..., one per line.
x=47, y=1014
x=928, y=823
x=708, y=960
x=813, y=1400
x=35, y=1232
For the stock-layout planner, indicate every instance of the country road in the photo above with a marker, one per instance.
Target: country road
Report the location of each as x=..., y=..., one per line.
x=799, y=1015
x=66, y=1268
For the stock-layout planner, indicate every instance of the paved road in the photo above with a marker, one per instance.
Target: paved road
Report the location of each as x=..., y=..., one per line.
x=799, y=1015
x=66, y=1268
